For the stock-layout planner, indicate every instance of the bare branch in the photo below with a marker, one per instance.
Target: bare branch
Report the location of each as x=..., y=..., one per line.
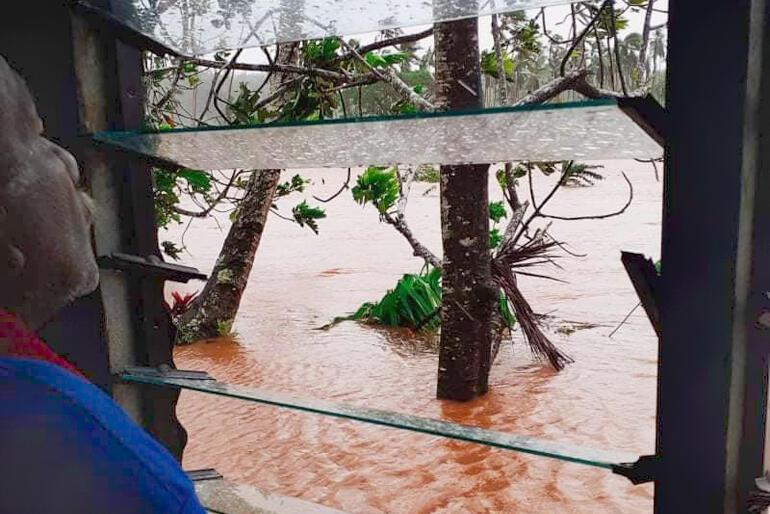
x=335, y=195
x=578, y=39
x=275, y=212
x=642, y=67
x=598, y=216
x=405, y=182
x=601, y=56
x=593, y=92
x=545, y=31
x=554, y=88
x=399, y=223
x=624, y=319
x=222, y=196
x=172, y=88
x=502, y=86
x=365, y=80
x=513, y=224
x=216, y=85
x=617, y=51
x=279, y=68
x=538, y=208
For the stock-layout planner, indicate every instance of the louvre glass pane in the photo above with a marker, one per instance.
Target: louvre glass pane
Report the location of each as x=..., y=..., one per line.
x=556, y=450
x=584, y=130
x=202, y=27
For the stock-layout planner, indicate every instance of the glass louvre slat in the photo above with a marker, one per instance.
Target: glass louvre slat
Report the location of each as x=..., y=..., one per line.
x=581, y=130
x=210, y=26
x=551, y=449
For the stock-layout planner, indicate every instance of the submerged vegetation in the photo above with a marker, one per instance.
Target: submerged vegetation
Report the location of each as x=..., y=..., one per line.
x=414, y=303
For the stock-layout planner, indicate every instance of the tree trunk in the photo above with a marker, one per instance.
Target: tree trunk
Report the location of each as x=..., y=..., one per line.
x=469, y=296
x=214, y=310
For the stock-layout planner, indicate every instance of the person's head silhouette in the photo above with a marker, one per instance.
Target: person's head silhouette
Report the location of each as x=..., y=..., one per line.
x=46, y=259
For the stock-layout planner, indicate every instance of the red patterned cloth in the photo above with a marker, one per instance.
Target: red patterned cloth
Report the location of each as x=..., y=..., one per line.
x=22, y=342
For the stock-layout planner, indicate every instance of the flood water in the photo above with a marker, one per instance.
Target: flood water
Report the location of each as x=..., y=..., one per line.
x=300, y=281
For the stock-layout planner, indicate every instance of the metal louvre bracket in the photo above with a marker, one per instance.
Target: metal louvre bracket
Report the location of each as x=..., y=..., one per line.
x=640, y=472
x=151, y=265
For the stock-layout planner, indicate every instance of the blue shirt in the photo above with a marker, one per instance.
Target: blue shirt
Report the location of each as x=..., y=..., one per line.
x=65, y=446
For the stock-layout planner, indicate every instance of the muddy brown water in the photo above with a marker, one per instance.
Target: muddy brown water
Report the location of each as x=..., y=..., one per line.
x=300, y=281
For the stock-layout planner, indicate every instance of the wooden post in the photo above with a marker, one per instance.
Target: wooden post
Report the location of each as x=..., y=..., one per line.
x=712, y=394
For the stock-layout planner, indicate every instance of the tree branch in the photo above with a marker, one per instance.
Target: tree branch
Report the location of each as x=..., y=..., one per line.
x=365, y=80
x=617, y=51
x=593, y=92
x=642, y=68
x=409, y=38
x=513, y=224
x=279, y=68
x=502, y=86
x=578, y=39
x=538, y=208
x=389, y=76
x=597, y=216
x=554, y=88
x=213, y=204
x=405, y=182
x=216, y=85
x=335, y=195
x=399, y=223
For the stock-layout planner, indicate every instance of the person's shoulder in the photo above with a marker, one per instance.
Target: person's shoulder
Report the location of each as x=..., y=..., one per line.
x=35, y=389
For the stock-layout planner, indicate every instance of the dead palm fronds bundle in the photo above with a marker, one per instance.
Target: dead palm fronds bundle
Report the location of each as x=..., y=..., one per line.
x=759, y=498
x=759, y=501
x=512, y=260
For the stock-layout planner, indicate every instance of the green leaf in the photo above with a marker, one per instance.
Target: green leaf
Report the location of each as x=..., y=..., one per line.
x=375, y=60
x=494, y=238
x=295, y=185
x=395, y=58
x=497, y=211
x=171, y=249
x=305, y=215
x=199, y=181
x=330, y=47
x=489, y=64
x=581, y=175
x=378, y=187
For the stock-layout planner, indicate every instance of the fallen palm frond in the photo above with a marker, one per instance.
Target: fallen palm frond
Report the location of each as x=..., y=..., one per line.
x=509, y=261
x=758, y=501
x=414, y=303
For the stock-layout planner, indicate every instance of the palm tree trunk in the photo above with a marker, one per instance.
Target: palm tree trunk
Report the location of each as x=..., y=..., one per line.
x=468, y=295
